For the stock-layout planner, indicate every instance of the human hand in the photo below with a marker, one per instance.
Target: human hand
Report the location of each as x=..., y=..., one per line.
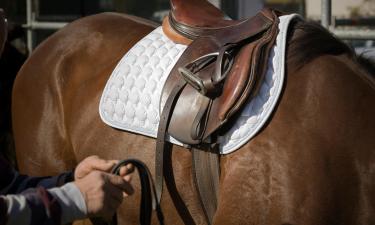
x=93, y=162
x=103, y=192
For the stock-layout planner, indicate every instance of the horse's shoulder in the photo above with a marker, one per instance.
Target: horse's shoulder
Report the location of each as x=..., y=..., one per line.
x=93, y=33
x=109, y=24
x=84, y=48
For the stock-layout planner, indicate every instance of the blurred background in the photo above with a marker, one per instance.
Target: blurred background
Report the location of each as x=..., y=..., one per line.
x=347, y=18
x=31, y=21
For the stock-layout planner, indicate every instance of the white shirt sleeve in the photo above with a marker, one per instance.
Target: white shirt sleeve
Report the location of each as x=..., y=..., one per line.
x=72, y=202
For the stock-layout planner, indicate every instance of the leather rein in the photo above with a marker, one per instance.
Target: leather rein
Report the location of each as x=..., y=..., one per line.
x=148, y=195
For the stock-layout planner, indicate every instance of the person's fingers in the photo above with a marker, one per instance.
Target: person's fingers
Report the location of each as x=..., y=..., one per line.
x=128, y=178
x=92, y=163
x=101, y=164
x=114, y=161
x=121, y=183
x=125, y=170
x=130, y=167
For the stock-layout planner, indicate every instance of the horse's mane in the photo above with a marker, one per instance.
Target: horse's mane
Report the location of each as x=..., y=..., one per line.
x=308, y=40
x=367, y=63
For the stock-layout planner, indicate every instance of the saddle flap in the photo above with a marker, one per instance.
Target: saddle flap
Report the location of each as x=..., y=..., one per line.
x=188, y=103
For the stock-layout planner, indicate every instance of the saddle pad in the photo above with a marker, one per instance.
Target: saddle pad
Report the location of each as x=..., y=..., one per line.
x=130, y=100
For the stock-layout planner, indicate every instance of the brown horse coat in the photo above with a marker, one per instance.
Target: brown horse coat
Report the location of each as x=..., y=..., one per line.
x=314, y=162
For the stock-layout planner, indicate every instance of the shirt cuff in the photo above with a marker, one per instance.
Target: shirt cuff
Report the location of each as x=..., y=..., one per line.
x=18, y=210
x=70, y=198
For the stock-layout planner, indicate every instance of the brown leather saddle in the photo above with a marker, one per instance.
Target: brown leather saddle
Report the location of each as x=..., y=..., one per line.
x=3, y=31
x=216, y=75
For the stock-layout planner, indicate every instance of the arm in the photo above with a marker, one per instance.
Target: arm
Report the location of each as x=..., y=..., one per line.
x=12, y=182
x=90, y=195
x=41, y=206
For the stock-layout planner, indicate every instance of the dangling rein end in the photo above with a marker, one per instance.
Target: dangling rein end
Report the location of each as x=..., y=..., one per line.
x=148, y=193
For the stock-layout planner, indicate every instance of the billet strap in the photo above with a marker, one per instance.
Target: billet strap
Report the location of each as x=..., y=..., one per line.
x=206, y=172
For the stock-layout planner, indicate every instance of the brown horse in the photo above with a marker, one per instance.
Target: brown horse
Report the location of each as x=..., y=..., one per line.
x=313, y=163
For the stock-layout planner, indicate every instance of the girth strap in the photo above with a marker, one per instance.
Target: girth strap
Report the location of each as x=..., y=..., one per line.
x=206, y=172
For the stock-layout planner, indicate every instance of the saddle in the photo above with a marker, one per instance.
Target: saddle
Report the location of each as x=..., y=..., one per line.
x=3, y=31
x=216, y=75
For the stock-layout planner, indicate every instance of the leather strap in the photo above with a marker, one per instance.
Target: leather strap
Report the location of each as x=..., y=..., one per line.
x=148, y=192
x=210, y=54
x=206, y=173
x=162, y=131
x=148, y=195
x=205, y=164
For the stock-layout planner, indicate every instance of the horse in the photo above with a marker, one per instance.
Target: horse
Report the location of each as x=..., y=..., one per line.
x=313, y=162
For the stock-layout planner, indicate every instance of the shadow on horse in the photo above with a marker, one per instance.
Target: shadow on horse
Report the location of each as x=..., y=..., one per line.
x=313, y=162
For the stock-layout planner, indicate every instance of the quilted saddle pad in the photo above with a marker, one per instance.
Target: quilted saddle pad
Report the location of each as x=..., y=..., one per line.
x=130, y=100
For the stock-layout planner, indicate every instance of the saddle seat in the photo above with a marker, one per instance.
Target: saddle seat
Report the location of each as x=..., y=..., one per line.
x=194, y=18
x=198, y=13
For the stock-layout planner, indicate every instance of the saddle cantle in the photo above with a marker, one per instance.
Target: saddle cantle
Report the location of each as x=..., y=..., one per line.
x=198, y=13
x=197, y=18
x=218, y=72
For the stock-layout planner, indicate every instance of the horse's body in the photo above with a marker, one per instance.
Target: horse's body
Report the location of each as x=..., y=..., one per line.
x=312, y=164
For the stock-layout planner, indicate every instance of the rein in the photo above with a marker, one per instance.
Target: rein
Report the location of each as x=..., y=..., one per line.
x=148, y=195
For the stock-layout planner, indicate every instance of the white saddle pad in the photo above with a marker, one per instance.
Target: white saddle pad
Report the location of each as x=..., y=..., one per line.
x=130, y=100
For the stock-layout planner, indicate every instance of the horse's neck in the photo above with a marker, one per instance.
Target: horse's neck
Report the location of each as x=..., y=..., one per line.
x=308, y=40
